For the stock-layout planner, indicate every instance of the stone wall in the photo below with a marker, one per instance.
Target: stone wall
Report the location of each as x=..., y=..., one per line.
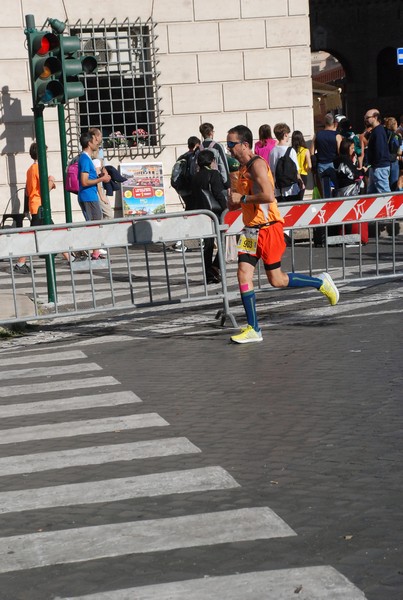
x=246, y=62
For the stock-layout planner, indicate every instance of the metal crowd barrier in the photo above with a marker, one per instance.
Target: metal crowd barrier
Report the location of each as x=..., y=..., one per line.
x=139, y=268
x=328, y=243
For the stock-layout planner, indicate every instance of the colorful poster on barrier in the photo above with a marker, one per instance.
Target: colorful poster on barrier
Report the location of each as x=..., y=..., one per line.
x=143, y=191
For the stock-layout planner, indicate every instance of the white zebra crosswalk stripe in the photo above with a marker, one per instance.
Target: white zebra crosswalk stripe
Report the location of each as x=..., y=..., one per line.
x=90, y=543
x=75, y=428
x=43, y=358
x=65, y=404
x=49, y=371
x=95, y=455
x=112, y=490
x=314, y=583
x=56, y=386
x=99, y=339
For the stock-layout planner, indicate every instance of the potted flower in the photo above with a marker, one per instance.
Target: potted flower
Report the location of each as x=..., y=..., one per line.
x=116, y=138
x=139, y=137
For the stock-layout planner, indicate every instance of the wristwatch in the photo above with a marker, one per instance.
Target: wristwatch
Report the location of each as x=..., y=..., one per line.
x=243, y=199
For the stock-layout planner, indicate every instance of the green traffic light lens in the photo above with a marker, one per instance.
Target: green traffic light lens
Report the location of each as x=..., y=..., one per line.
x=89, y=64
x=51, y=92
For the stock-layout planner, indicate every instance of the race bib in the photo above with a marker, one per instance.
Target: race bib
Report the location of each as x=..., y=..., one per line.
x=248, y=240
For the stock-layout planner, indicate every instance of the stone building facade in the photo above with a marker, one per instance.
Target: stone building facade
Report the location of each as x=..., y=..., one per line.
x=244, y=62
x=363, y=35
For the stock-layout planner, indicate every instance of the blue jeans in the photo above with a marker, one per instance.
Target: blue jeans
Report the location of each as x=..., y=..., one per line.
x=378, y=180
x=326, y=186
x=394, y=174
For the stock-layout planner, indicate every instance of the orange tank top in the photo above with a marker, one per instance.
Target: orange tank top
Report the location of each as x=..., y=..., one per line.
x=256, y=214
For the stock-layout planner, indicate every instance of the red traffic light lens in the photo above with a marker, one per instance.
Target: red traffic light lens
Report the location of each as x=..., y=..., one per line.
x=44, y=46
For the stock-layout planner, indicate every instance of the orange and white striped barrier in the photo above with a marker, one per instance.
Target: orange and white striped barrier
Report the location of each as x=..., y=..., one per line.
x=330, y=212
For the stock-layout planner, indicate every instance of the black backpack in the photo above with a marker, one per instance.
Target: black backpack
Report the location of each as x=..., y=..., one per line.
x=286, y=171
x=178, y=175
x=182, y=173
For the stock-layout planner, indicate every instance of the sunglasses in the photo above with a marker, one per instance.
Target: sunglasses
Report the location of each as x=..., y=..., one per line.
x=232, y=144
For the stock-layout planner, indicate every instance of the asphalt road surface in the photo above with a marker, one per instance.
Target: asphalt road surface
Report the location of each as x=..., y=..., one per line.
x=144, y=456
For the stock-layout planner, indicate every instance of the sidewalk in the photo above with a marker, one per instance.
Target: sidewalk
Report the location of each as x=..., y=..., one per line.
x=24, y=305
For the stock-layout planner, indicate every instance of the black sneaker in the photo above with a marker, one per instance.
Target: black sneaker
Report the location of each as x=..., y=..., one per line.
x=22, y=269
x=216, y=273
x=213, y=275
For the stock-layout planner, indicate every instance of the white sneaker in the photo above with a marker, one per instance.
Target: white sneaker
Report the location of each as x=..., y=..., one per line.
x=103, y=251
x=329, y=289
x=248, y=335
x=178, y=247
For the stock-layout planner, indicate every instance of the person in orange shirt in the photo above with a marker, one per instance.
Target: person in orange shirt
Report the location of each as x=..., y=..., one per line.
x=32, y=187
x=263, y=235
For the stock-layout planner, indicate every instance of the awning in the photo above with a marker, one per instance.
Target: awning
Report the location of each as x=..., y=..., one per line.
x=324, y=94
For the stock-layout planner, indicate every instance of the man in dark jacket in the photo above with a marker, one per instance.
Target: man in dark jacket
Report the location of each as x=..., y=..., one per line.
x=209, y=193
x=207, y=131
x=378, y=154
x=325, y=145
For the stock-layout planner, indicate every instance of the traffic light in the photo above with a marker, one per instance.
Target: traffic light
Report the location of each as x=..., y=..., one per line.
x=55, y=65
x=46, y=68
x=74, y=65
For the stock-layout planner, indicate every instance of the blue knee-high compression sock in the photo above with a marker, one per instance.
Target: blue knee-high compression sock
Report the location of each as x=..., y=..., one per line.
x=249, y=304
x=296, y=280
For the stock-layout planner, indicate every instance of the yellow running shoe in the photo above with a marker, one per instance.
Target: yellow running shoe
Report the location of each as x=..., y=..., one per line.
x=329, y=289
x=247, y=336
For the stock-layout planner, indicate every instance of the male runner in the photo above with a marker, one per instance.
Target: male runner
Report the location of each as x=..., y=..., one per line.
x=263, y=235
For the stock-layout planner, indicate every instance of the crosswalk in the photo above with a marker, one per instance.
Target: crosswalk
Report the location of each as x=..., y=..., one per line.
x=62, y=442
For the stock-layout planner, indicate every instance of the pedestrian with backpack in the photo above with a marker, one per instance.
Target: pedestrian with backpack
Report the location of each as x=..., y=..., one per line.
x=220, y=163
x=208, y=193
x=88, y=180
x=182, y=175
x=185, y=169
x=284, y=166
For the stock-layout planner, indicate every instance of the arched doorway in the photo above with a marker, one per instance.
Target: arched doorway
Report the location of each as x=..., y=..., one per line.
x=328, y=85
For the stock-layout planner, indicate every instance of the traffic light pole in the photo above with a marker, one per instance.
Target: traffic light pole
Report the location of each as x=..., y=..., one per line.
x=45, y=197
x=55, y=65
x=63, y=151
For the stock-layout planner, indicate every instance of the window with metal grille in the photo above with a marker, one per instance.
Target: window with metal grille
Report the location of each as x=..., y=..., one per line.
x=121, y=97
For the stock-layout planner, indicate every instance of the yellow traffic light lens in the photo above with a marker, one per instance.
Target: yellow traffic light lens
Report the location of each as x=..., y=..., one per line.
x=46, y=73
